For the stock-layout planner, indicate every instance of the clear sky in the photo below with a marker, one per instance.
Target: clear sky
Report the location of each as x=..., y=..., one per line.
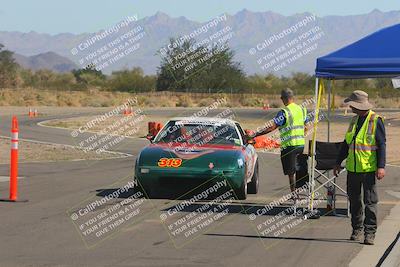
x=77, y=16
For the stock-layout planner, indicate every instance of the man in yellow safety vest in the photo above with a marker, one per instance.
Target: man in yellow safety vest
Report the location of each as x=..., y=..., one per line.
x=365, y=149
x=291, y=122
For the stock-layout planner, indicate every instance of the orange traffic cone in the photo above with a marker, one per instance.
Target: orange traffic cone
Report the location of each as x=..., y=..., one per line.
x=14, y=160
x=265, y=106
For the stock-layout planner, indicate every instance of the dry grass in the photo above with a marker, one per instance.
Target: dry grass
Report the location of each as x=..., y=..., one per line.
x=33, y=97
x=96, y=98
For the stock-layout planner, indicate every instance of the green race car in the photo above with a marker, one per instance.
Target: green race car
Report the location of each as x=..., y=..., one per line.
x=199, y=149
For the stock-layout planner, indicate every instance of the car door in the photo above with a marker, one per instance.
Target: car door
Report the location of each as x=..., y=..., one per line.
x=250, y=154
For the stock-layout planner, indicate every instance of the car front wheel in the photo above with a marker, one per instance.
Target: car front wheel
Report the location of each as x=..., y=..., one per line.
x=253, y=186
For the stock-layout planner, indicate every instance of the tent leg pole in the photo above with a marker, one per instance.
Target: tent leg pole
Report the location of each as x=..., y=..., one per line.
x=312, y=165
x=329, y=109
x=328, y=139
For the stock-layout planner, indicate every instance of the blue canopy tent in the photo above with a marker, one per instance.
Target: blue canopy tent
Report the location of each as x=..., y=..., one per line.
x=375, y=56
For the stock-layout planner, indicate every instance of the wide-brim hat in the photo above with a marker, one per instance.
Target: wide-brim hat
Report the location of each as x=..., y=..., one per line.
x=359, y=100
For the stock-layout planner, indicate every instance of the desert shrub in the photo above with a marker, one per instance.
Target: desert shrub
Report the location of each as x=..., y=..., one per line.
x=184, y=101
x=251, y=101
x=205, y=102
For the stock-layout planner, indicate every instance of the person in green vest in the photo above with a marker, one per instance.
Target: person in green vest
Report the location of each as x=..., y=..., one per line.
x=290, y=121
x=365, y=149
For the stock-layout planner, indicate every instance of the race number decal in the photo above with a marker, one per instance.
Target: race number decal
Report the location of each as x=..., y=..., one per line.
x=172, y=162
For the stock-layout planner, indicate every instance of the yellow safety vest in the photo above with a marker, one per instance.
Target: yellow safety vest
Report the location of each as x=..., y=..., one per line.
x=292, y=132
x=362, y=148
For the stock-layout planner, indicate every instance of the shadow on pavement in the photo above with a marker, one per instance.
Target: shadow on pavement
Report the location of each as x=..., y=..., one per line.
x=234, y=207
x=334, y=240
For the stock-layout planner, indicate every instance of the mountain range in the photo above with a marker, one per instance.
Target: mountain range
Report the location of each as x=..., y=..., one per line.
x=47, y=60
x=41, y=50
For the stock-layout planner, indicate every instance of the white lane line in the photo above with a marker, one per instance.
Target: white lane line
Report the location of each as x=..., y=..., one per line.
x=386, y=234
x=391, y=165
x=70, y=146
x=393, y=193
x=267, y=152
x=7, y=178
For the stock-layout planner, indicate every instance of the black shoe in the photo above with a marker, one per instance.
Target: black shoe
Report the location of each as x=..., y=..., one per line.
x=356, y=235
x=295, y=197
x=369, y=239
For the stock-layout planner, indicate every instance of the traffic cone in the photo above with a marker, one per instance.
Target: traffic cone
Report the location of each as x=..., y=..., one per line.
x=35, y=113
x=266, y=106
x=127, y=111
x=159, y=127
x=30, y=113
x=151, y=126
x=14, y=160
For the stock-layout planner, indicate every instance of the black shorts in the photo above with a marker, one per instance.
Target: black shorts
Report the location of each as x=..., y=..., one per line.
x=289, y=159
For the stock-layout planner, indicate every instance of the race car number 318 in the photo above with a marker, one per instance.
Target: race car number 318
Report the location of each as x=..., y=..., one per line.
x=170, y=162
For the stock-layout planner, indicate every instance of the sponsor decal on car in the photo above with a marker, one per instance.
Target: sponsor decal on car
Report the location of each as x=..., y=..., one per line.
x=189, y=153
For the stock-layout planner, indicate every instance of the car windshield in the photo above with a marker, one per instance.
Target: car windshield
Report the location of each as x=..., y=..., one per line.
x=198, y=133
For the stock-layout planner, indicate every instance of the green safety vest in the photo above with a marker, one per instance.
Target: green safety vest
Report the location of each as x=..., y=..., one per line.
x=362, y=148
x=292, y=132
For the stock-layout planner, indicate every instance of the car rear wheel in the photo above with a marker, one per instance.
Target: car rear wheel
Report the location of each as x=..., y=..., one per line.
x=241, y=193
x=145, y=190
x=252, y=187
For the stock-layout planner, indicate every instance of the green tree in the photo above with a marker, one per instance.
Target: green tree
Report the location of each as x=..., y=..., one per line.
x=131, y=81
x=89, y=76
x=189, y=66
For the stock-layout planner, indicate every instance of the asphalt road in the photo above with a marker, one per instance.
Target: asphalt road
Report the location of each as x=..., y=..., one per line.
x=40, y=232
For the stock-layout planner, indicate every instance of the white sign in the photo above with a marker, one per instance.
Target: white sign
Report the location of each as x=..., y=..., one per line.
x=396, y=82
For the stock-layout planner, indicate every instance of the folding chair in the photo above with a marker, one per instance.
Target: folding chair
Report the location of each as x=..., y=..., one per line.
x=325, y=160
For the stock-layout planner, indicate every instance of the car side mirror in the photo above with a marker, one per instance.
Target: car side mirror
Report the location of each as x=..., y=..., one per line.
x=150, y=137
x=251, y=141
x=250, y=137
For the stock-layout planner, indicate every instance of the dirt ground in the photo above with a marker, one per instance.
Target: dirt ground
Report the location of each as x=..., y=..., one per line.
x=36, y=152
x=131, y=126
